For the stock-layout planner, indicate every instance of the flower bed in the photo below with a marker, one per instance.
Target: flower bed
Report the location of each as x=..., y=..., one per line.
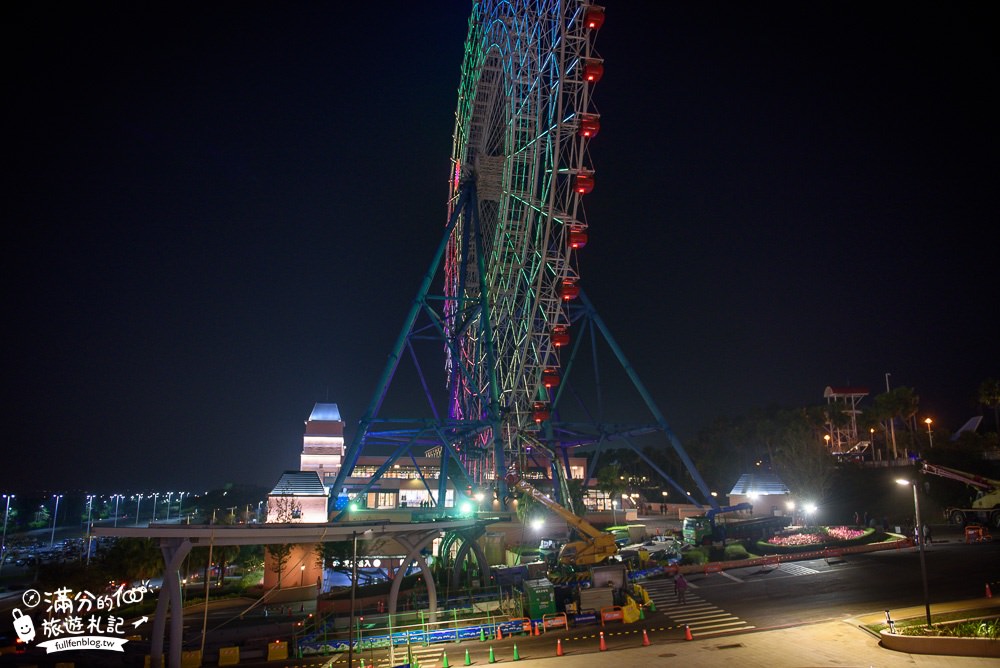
x=812, y=538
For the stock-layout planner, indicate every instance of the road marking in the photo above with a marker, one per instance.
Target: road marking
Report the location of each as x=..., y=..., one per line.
x=796, y=569
x=700, y=616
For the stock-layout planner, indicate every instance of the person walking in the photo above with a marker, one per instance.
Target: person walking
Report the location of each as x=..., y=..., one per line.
x=680, y=588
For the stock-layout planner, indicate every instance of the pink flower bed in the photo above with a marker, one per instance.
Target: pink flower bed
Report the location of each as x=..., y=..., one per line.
x=827, y=535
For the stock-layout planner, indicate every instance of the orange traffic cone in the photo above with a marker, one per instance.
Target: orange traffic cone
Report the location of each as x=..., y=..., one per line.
x=559, y=650
x=687, y=633
x=645, y=638
x=604, y=647
x=499, y=633
x=989, y=594
x=537, y=627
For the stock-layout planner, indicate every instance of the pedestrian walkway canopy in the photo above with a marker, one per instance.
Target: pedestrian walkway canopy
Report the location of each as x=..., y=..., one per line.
x=177, y=540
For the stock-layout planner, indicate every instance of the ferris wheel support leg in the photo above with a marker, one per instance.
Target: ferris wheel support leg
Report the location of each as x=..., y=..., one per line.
x=650, y=404
x=354, y=449
x=499, y=464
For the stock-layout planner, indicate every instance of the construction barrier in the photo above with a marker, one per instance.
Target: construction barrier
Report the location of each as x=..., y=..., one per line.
x=276, y=651
x=612, y=613
x=191, y=659
x=525, y=624
x=229, y=656
x=555, y=620
x=588, y=616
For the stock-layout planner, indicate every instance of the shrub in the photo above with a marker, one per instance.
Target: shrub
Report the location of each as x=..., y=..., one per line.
x=735, y=552
x=696, y=555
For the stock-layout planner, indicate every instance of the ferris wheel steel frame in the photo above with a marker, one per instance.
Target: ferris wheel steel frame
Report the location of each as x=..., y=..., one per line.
x=519, y=169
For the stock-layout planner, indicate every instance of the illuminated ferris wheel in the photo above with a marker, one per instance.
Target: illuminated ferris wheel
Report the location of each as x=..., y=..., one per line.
x=522, y=128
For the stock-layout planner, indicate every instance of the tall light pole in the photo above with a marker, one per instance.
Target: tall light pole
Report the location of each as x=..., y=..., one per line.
x=118, y=498
x=55, y=516
x=892, y=421
x=156, y=495
x=169, y=496
x=6, y=517
x=180, y=505
x=930, y=434
x=920, y=545
x=90, y=514
x=138, y=500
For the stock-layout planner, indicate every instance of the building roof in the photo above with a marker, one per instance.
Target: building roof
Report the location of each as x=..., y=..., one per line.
x=325, y=413
x=759, y=483
x=299, y=483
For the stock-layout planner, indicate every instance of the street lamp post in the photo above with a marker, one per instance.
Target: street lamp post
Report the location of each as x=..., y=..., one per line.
x=90, y=524
x=118, y=498
x=169, y=496
x=55, y=516
x=6, y=517
x=930, y=434
x=920, y=545
x=892, y=424
x=156, y=496
x=138, y=500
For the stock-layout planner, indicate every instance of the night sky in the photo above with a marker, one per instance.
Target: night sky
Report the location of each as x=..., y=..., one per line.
x=218, y=214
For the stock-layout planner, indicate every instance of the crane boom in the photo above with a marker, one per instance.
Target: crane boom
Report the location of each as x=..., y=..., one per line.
x=968, y=478
x=596, y=546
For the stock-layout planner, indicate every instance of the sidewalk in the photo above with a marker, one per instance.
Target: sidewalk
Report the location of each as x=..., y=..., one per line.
x=835, y=643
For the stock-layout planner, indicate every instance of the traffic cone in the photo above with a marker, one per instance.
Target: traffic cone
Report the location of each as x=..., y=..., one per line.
x=642, y=613
x=989, y=594
x=444, y=660
x=517, y=657
x=362, y=663
x=538, y=626
x=499, y=633
x=493, y=658
x=687, y=633
x=482, y=634
x=468, y=659
x=559, y=650
x=604, y=646
x=652, y=605
x=645, y=640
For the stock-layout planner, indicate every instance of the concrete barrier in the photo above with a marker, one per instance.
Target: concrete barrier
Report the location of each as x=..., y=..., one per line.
x=943, y=645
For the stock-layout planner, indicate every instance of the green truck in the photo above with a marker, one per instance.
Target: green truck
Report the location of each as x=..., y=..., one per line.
x=706, y=529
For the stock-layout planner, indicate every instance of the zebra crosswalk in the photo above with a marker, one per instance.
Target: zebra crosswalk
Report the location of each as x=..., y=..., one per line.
x=702, y=617
x=796, y=569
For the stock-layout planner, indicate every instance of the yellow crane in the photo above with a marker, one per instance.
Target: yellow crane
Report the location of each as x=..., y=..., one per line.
x=594, y=546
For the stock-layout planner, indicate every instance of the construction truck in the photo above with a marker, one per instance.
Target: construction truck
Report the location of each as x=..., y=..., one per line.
x=985, y=507
x=593, y=546
x=705, y=529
